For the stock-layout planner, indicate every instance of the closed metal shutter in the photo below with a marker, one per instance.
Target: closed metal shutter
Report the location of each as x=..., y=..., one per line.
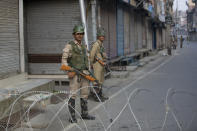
x=105, y=25
x=108, y=22
x=132, y=32
x=120, y=30
x=49, y=28
x=112, y=29
x=158, y=38
x=164, y=37
x=161, y=41
x=9, y=38
x=150, y=36
x=144, y=31
x=154, y=38
x=139, y=31
x=136, y=31
x=126, y=31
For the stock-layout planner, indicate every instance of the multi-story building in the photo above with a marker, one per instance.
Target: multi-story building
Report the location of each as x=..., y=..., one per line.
x=192, y=20
x=180, y=23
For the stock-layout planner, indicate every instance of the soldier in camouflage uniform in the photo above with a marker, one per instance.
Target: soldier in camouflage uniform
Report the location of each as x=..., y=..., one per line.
x=75, y=55
x=98, y=52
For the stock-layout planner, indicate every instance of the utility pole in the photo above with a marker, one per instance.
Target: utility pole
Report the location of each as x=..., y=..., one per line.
x=83, y=18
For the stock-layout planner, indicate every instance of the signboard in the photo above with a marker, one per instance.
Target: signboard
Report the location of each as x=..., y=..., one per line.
x=168, y=19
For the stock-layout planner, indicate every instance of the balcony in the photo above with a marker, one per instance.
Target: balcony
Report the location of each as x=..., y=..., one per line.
x=148, y=7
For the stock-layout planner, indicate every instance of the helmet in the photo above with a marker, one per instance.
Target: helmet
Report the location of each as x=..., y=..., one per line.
x=78, y=29
x=100, y=32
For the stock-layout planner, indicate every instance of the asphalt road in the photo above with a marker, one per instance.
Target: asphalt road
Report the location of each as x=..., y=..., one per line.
x=161, y=97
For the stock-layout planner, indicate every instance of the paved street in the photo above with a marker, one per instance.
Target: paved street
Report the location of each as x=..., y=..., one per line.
x=161, y=99
x=159, y=96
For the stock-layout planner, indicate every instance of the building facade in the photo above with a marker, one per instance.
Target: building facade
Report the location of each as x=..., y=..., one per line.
x=9, y=38
x=192, y=20
x=34, y=32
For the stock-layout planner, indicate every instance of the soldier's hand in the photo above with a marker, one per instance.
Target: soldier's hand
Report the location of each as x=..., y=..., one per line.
x=71, y=74
x=105, y=55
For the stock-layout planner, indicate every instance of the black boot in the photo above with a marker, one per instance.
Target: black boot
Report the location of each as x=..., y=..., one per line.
x=95, y=96
x=84, y=110
x=71, y=108
x=102, y=97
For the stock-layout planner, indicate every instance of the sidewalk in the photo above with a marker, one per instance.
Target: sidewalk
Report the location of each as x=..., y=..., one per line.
x=11, y=100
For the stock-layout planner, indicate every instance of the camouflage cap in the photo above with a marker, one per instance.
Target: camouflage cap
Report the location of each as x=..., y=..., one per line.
x=78, y=29
x=100, y=32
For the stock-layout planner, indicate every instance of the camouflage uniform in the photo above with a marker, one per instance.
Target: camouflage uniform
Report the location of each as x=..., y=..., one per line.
x=98, y=52
x=75, y=55
x=77, y=81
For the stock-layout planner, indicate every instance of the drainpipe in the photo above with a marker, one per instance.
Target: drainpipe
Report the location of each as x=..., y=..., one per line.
x=83, y=18
x=21, y=37
x=93, y=5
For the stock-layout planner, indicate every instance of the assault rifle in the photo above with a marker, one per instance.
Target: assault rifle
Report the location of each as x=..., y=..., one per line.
x=88, y=77
x=106, y=66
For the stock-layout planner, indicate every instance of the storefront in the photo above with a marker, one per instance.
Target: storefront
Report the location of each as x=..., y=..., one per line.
x=49, y=25
x=9, y=38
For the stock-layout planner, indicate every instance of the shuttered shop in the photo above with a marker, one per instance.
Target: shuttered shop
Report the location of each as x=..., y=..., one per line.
x=136, y=30
x=159, y=38
x=139, y=31
x=132, y=32
x=126, y=31
x=49, y=28
x=105, y=25
x=164, y=37
x=149, y=35
x=108, y=22
x=120, y=30
x=144, y=31
x=9, y=38
x=112, y=29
